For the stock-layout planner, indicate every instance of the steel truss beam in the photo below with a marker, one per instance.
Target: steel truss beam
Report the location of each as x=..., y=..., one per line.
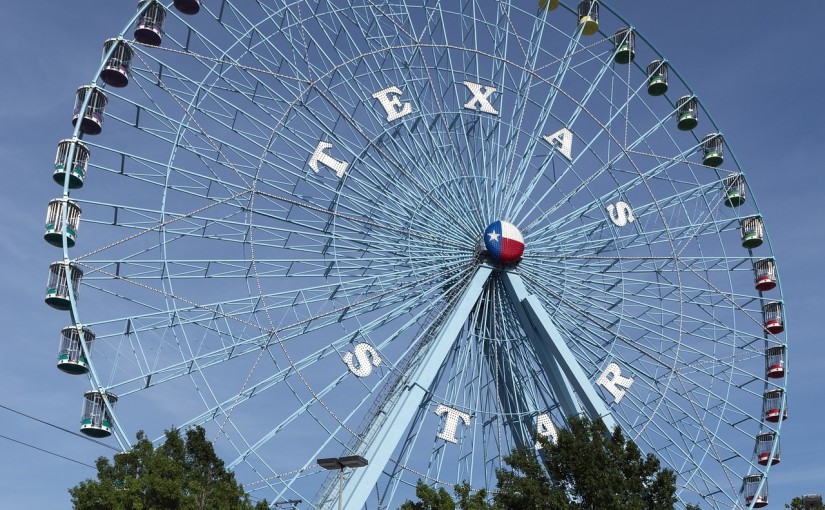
x=571, y=385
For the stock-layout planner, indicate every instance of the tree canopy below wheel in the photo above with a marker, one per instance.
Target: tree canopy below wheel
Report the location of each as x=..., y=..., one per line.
x=587, y=468
x=183, y=473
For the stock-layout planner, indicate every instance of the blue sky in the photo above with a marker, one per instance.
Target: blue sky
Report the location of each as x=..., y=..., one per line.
x=755, y=69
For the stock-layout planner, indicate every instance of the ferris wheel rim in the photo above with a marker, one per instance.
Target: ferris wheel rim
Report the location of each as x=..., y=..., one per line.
x=258, y=278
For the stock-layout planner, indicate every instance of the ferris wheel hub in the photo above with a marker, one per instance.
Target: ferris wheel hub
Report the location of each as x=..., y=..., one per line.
x=504, y=242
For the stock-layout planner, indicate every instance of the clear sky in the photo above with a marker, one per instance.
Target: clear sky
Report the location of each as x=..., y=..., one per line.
x=756, y=67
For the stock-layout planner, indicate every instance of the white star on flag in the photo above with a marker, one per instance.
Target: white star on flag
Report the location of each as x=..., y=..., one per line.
x=493, y=236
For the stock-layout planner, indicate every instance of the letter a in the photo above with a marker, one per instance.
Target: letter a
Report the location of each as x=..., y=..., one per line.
x=562, y=140
x=546, y=428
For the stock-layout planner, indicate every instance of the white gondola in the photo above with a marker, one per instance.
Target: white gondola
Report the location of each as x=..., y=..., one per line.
x=589, y=17
x=687, y=113
x=72, y=358
x=624, y=45
x=734, y=190
x=753, y=495
x=149, y=26
x=116, y=69
x=772, y=406
x=765, y=274
x=54, y=222
x=773, y=317
x=96, y=420
x=753, y=232
x=775, y=362
x=657, y=77
x=764, y=445
x=57, y=289
x=76, y=168
x=91, y=118
x=713, y=150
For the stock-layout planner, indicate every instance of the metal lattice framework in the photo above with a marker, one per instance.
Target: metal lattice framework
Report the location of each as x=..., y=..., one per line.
x=281, y=241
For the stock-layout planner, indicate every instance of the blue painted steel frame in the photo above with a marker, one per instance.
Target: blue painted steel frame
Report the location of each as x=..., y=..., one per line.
x=564, y=392
x=555, y=356
x=414, y=391
x=569, y=381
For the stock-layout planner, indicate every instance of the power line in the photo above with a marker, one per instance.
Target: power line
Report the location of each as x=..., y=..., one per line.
x=47, y=451
x=101, y=443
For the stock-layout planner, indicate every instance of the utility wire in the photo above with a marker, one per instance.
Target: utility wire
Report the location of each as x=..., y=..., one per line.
x=101, y=443
x=47, y=451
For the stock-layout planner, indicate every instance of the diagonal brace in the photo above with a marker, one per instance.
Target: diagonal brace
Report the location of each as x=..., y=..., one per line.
x=412, y=396
x=556, y=358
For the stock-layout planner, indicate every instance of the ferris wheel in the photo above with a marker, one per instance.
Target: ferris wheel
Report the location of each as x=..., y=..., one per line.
x=418, y=234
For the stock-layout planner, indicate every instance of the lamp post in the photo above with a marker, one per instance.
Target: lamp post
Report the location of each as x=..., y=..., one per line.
x=339, y=463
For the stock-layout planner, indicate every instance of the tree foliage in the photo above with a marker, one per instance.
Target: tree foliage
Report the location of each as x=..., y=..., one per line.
x=588, y=468
x=432, y=499
x=798, y=504
x=181, y=474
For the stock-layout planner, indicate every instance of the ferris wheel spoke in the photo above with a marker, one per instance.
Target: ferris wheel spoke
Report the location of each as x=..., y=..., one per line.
x=593, y=86
x=244, y=312
x=367, y=222
x=557, y=358
x=287, y=186
x=243, y=165
x=499, y=34
x=691, y=359
x=341, y=423
x=215, y=111
x=423, y=173
x=264, y=34
x=604, y=317
x=652, y=214
x=457, y=219
x=148, y=171
x=441, y=59
x=388, y=431
x=647, y=412
x=540, y=128
x=307, y=148
x=651, y=237
x=379, y=36
x=637, y=179
x=697, y=282
x=721, y=451
x=684, y=453
x=641, y=296
x=251, y=39
x=147, y=220
x=652, y=271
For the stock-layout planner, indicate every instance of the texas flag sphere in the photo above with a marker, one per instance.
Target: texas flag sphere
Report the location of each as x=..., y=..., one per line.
x=504, y=242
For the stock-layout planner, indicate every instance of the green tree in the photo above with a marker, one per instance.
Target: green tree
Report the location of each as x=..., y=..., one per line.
x=798, y=504
x=181, y=474
x=432, y=499
x=588, y=468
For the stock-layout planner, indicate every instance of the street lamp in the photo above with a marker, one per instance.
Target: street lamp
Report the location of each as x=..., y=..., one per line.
x=339, y=463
